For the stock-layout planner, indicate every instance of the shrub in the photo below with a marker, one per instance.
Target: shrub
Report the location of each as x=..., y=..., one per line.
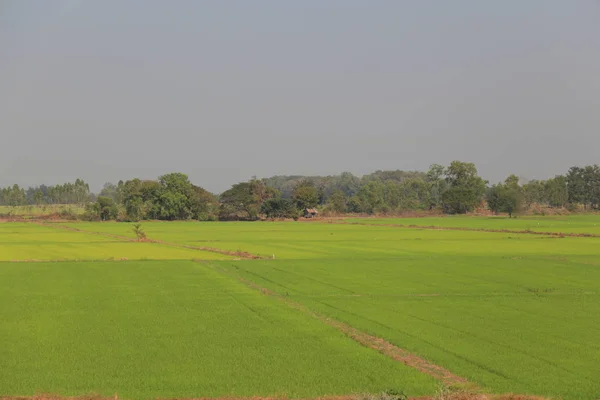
x=67, y=213
x=390, y=394
x=139, y=232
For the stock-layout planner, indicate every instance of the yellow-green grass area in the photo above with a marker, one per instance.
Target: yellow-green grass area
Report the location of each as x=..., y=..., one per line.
x=41, y=210
x=281, y=239
x=571, y=224
x=301, y=240
x=511, y=312
x=20, y=241
x=172, y=329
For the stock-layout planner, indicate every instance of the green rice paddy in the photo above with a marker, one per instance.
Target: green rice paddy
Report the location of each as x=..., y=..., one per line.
x=510, y=312
x=572, y=224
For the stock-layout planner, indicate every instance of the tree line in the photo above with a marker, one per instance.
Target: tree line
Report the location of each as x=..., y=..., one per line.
x=68, y=193
x=453, y=189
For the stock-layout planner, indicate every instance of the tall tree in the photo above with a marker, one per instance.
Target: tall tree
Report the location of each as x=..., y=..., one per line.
x=576, y=186
x=372, y=198
x=204, y=205
x=305, y=195
x=337, y=201
x=533, y=192
x=103, y=209
x=556, y=191
x=244, y=200
x=437, y=185
x=174, y=197
x=279, y=208
x=465, y=188
x=507, y=197
x=109, y=190
x=38, y=197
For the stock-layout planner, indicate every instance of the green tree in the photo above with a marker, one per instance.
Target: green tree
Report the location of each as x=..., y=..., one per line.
x=372, y=197
x=305, y=195
x=337, y=202
x=591, y=176
x=556, y=191
x=279, y=208
x=244, y=200
x=174, y=196
x=104, y=209
x=575, y=179
x=414, y=194
x=354, y=205
x=14, y=196
x=437, y=185
x=204, y=205
x=107, y=208
x=109, y=190
x=347, y=183
x=140, y=199
x=533, y=192
x=465, y=188
x=507, y=197
x=38, y=197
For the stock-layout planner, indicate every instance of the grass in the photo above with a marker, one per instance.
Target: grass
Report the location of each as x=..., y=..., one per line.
x=510, y=312
x=588, y=223
x=41, y=210
x=524, y=326
x=152, y=329
x=28, y=242
x=298, y=240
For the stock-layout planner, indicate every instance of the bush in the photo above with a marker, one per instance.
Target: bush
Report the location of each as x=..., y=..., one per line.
x=104, y=209
x=390, y=394
x=139, y=232
x=393, y=394
x=279, y=208
x=67, y=213
x=206, y=216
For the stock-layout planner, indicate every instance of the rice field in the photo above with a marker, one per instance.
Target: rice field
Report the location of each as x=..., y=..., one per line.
x=182, y=318
x=571, y=224
x=32, y=242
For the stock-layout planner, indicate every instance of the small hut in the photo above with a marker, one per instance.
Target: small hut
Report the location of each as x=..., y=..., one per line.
x=310, y=212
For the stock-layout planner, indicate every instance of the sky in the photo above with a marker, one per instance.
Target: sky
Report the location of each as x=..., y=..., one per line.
x=226, y=90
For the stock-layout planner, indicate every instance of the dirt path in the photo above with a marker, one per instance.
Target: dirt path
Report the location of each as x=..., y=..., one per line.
x=384, y=347
x=240, y=254
x=456, y=228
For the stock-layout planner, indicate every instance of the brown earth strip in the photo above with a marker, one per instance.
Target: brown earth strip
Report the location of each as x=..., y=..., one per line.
x=456, y=228
x=384, y=347
x=240, y=254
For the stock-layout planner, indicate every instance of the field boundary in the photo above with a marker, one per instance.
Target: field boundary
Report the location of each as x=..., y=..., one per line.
x=373, y=342
x=239, y=254
x=459, y=228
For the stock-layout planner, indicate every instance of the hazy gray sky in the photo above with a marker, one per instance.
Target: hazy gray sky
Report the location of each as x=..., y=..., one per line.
x=223, y=90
